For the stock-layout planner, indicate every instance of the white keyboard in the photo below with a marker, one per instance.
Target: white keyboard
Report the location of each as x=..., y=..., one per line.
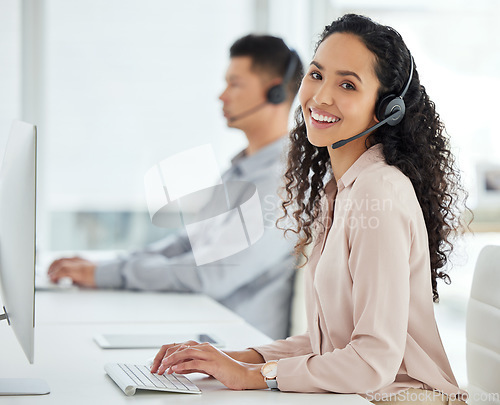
x=131, y=377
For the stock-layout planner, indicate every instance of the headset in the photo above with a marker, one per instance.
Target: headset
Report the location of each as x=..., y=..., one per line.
x=277, y=93
x=390, y=110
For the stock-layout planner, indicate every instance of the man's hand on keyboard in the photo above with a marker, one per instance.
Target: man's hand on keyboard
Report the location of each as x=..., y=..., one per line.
x=194, y=357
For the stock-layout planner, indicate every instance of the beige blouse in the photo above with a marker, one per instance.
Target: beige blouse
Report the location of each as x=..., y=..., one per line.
x=371, y=325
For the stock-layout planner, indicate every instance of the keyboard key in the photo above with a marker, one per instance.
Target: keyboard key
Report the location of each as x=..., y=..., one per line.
x=131, y=377
x=162, y=382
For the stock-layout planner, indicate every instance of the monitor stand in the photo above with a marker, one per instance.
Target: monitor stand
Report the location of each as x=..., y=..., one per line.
x=23, y=386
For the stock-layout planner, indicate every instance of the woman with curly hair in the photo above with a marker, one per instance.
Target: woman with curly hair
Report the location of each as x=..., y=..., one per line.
x=372, y=188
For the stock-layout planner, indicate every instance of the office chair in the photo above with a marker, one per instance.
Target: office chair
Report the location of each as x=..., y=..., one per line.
x=483, y=330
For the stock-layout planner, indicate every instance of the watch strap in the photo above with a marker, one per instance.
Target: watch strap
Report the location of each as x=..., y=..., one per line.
x=272, y=383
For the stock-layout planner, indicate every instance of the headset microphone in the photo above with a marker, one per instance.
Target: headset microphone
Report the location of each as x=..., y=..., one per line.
x=352, y=138
x=389, y=110
x=247, y=112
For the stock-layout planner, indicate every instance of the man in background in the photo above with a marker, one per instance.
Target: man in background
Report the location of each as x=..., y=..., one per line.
x=262, y=79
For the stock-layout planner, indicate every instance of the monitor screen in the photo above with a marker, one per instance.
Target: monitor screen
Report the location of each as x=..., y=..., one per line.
x=17, y=237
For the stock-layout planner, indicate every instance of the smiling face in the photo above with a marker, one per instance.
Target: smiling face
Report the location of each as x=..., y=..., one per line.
x=339, y=91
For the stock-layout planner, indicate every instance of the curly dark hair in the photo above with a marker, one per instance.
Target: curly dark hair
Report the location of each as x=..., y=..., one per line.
x=418, y=146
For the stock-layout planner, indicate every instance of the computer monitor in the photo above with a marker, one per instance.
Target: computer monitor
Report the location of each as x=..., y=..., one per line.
x=17, y=248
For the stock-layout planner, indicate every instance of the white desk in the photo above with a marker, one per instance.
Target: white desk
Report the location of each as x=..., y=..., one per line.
x=120, y=306
x=72, y=364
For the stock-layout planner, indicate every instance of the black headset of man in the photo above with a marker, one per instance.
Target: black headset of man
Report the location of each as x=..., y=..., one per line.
x=389, y=110
x=277, y=94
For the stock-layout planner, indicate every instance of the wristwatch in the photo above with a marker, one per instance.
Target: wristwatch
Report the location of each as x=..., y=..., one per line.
x=269, y=371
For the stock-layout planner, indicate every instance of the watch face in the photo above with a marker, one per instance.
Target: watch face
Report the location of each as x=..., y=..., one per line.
x=270, y=369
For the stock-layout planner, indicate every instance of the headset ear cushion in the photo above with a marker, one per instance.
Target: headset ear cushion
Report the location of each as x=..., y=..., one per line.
x=276, y=94
x=382, y=106
x=391, y=106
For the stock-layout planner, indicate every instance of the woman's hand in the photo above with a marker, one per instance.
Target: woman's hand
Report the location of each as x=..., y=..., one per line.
x=246, y=356
x=194, y=357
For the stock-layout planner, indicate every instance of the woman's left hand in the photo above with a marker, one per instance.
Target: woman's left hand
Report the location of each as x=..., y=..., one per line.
x=193, y=357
